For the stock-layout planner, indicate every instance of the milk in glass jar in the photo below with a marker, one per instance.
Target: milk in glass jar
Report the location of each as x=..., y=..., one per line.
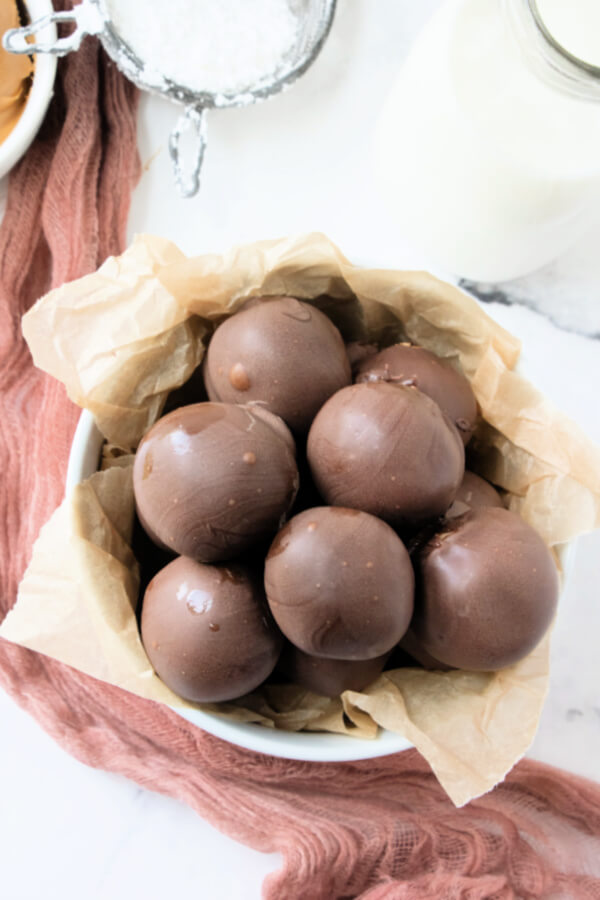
x=488, y=145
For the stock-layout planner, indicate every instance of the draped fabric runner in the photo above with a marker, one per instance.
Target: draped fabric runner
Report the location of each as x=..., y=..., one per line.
x=375, y=829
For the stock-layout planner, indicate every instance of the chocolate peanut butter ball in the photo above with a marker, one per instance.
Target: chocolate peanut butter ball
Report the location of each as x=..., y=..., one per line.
x=388, y=450
x=488, y=590
x=410, y=365
x=417, y=654
x=473, y=493
x=358, y=352
x=207, y=630
x=329, y=677
x=282, y=352
x=340, y=583
x=211, y=479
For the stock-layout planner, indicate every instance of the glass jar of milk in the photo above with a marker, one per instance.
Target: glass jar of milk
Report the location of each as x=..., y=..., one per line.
x=488, y=146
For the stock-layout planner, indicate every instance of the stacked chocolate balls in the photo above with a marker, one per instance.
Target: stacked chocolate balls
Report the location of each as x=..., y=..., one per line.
x=290, y=497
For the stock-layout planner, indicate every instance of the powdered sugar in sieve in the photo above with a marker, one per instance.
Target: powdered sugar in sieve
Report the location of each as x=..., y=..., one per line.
x=225, y=47
x=202, y=53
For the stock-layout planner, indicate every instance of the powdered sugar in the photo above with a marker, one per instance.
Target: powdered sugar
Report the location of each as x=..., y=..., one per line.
x=219, y=46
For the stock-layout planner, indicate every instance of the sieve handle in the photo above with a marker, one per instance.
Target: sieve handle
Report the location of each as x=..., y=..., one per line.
x=193, y=117
x=87, y=19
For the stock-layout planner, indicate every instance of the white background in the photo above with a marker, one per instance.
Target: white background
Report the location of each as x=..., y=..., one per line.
x=297, y=163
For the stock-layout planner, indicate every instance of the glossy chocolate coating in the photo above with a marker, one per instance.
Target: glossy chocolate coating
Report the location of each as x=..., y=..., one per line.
x=329, y=677
x=410, y=365
x=358, y=352
x=388, y=450
x=212, y=479
x=418, y=654
x=282, y=352
x=473, y=493
x=488, y=590
x=207, y=630
x=340, y=583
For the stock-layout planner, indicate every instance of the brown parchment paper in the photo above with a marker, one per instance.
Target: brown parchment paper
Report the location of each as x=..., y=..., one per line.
x=123, y=337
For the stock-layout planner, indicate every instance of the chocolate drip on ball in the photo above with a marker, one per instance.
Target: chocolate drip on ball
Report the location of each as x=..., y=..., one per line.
x=410, y=365
x=340, y=584
x=388, y=450
x=282, y=352
x=207, y=631
x=212, y=479
x=487, y=591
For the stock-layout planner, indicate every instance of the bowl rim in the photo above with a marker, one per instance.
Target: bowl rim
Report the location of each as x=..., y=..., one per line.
x=38, y=99
x=300, y=745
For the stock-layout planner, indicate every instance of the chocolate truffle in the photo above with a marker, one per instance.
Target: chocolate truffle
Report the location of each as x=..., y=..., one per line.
x=212, y=479
x=388, y=450
x=487, y=591
x=410, y=365
x=329, y=677
x=340, y=583
x=473, y=493
x=410, y=646
x=280, y=351
x=358, y=352
x=207, y=630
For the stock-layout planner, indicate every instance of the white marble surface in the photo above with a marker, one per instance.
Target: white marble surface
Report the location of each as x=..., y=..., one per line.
x=297, y=163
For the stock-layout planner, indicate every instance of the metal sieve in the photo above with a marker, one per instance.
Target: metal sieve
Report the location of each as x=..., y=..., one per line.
x=91, y=17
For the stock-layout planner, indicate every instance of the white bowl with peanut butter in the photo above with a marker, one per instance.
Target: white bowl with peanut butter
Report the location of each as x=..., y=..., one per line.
x=26, y=86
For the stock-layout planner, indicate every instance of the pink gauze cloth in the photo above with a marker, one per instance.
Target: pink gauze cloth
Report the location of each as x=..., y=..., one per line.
x=375, y=829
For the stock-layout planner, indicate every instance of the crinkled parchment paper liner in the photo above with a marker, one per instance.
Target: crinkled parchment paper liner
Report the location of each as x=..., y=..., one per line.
x=121, y=338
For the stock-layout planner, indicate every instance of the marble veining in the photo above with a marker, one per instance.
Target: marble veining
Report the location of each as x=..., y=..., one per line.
x=566, y=291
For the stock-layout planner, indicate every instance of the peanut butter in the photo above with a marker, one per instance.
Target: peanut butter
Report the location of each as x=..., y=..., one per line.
x=14, y=74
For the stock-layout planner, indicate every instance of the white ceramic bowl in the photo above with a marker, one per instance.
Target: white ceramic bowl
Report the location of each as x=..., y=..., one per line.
x=17, y=142
x=315, y=747
x=83, y=462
